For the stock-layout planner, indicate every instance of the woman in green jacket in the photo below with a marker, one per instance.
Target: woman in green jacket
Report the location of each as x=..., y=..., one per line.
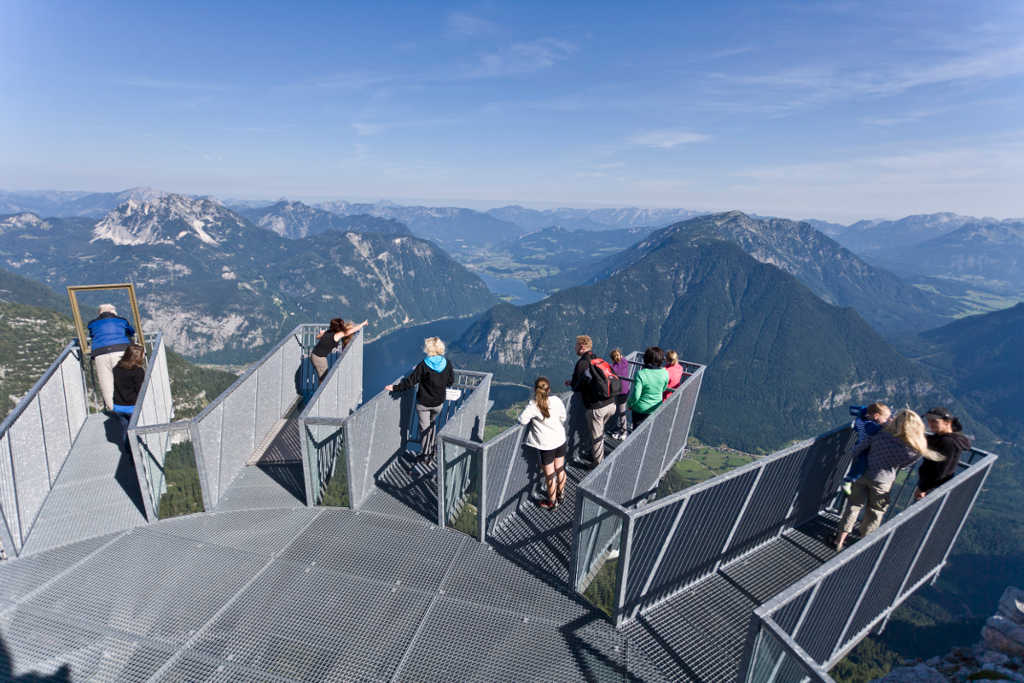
x=649, y=384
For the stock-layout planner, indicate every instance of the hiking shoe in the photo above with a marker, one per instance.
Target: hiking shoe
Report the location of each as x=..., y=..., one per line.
x=847, y=488
x=613, y=554
x=547, y=504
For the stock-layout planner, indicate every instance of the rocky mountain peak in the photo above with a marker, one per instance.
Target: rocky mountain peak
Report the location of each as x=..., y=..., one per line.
x=164, y=219
x=21, y=220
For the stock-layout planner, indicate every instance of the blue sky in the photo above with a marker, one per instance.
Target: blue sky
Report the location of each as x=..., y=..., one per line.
x=837, y=110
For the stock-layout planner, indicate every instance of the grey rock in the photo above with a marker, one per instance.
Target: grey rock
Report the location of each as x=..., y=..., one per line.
x=920, y=673
x=994, y=658
x=999, y=633
x=1011, y=605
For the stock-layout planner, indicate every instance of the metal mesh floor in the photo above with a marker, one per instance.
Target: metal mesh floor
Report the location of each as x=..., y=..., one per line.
x=699, y=634
x=405, y=489
x=297, y=594
x=539, y=539
x=95, y=493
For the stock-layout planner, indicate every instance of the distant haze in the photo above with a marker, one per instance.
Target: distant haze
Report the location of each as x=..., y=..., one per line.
x=837, y=111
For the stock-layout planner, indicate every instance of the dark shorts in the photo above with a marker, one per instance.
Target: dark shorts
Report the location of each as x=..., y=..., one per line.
x=548, y=457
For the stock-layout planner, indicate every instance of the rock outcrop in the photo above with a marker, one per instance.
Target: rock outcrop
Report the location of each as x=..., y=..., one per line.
x=998, y=656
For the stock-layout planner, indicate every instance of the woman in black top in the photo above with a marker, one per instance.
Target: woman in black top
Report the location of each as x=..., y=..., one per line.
x=946, y=438
x=434, y=375
x=129, y=374
x=328, y=340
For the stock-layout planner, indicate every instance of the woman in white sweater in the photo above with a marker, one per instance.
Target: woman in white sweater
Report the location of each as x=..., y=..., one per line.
x=545, y=417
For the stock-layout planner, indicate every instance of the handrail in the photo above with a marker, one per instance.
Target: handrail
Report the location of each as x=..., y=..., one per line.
x=864, y=560
x=48, y=443
x=36, y=388
x=148, y=484
x=215, y=403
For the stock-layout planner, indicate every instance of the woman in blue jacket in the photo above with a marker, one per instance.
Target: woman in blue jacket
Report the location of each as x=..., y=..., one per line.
x=109, y=336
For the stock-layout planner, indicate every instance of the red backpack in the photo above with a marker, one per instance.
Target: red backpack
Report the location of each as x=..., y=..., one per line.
x=606, y=382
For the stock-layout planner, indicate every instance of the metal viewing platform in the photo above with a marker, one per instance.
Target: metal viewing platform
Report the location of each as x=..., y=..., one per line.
x=326, y=553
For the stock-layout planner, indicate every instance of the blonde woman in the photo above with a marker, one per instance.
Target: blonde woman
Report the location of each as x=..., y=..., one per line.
x=545, y=416
x=675, y=372
x=433, y=375
x=899, y=444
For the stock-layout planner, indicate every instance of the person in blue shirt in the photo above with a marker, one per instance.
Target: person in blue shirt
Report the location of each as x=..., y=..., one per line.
x=868, y=422
x=109, y=336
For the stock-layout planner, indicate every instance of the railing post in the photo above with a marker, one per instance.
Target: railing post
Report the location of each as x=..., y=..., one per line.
x=197, y=452
x=481, y=478
x=574, y=577
x=622, y=573
x=442, y=520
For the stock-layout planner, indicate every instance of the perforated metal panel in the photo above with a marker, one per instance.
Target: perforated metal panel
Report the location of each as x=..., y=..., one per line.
x=946, y=526
x=8, y=496
x=502, y=453
x=771, y=500
x=893, y=568
x=823, y=625
x=30, y=468
x=650, y=533
x=55, y=424
x=702, y=533
x=788, y=615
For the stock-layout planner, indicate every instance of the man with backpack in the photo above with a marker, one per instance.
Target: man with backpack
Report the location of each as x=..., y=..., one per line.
x=597, y=385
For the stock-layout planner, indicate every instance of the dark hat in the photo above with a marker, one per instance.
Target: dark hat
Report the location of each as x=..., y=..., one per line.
x=940, y=414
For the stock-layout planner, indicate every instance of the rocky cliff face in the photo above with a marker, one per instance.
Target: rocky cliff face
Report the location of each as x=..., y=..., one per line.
x=999, y=655
x=222, y=289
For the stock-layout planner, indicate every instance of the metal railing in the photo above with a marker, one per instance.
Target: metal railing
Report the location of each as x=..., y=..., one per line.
x=802, y=630
x=684, y=537
x=320, y=422
x=154, y=406
x=380, y=430
x=35, y=440
x=607, y=496
x=459, y=469
x=228, y=430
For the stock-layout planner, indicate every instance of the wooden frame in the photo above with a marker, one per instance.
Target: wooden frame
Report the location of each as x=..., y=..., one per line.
x=83, y=338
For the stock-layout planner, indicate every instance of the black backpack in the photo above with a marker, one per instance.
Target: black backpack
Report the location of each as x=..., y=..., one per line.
x=606, y=383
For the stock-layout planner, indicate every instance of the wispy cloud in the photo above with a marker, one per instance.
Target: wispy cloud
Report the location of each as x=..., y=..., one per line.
x=353, y=80
x=162, y=84
x=810, y=85
x=900, y=120
x=364, y=129
x=462, y=25
x=666, y=139
x=522, y=58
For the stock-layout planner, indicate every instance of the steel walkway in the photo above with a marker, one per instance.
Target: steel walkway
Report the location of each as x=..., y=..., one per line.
x=699, y=634
x=275, y=479
x=296, y=595
x=95, y=493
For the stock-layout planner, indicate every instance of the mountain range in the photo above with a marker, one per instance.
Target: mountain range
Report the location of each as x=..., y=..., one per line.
x=832, y=272
x=590, y=219
x=296, y=220
x=782, y=363
x=222, y=288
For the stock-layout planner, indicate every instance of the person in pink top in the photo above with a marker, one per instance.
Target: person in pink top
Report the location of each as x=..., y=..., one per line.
x=675, y=372
x=620, y=366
